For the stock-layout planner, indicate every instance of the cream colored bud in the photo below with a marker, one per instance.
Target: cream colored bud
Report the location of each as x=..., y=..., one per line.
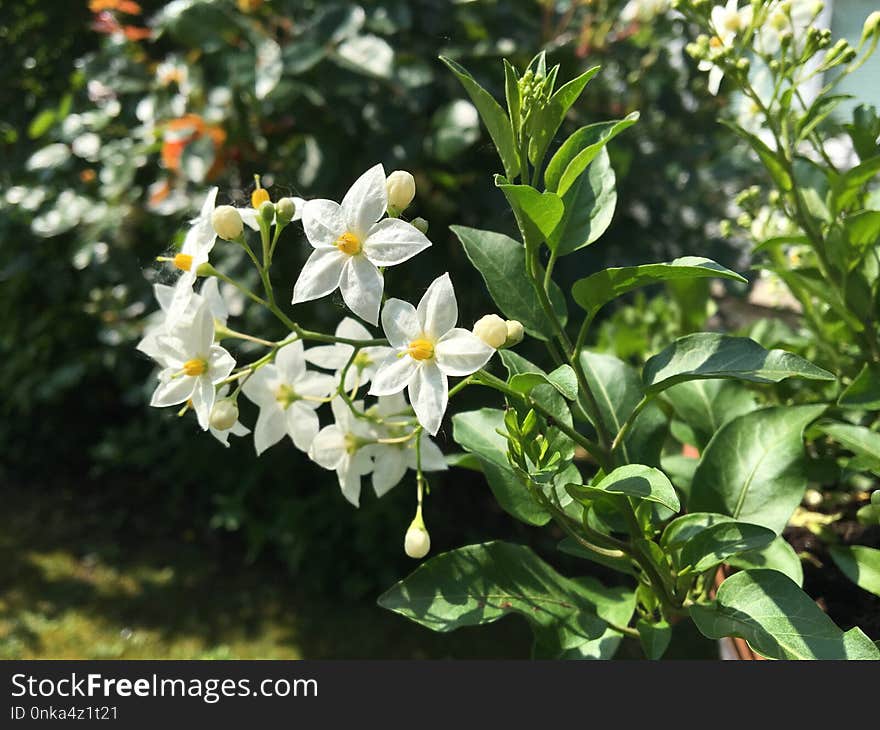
x=401, y=189
x=227, y=222
x=224, y=414
x=515, y=333
x=417, y=541
x=285, y=209
x=492, y=330
x=872, y=24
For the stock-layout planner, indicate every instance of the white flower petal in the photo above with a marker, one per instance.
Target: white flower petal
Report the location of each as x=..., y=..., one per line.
x=438, y=310
x=249, y=218
x=203, y=400
x=210, y=292
x=164, y=294
x=393, y=375
x=400, y=322
x=366, y=201
x=432, y=457
x=350, y=484
x=258, y=388
x=270, y=429
x=328, y=447
x=302, y=425
x=351, y=329
x=388, y=469
x=461, y=352
x=393, y=241
x=329, y=357
x=315, y=385
x=361, y=285
x=429, y=395
x=320, y=275
x=172, y=392
x=291, y=362
x=220, y=363
x=392, y=405
x=323, y=222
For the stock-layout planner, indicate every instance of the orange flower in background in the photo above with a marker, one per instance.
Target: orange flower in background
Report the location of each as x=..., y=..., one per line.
x=129, y=7
x=183, y=131
x=134, y=33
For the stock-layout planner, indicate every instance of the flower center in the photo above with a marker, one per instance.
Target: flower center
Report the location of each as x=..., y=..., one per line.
x=285, y=395
x=362, y=360
x=732, y=22
x=778, y=20
x=352, y=443
x=195, y=367
x=183, y=261
x=716, y=42
x=421, y=349
x=349, y=243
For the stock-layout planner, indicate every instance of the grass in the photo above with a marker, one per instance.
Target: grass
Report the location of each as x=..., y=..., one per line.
x=78, y=583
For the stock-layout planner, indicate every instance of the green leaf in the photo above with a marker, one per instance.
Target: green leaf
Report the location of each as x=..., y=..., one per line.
x=864, y=391
x=493, y=117
x=717, y=543
x=501, y=262
x=41, y=123
x=765, y=154
x=618, y=390
x=712, y=355
x=540, y=211
x=569, y=546
x=778, y=555
x=860, y=564
x=778, y=620
x=579, y=150
x=655, y=637
x=632, y=480
x=849, y=186
x=860, y=440
x=479, y=584
x=477, y=433
x=588, y=208
x=562, y=379
x=513, y=97
x=685, y=528
x=706, y=405
x=554, y=113
x=596, y=290
x=863, y=228
x=818, y=111
x=754, y=468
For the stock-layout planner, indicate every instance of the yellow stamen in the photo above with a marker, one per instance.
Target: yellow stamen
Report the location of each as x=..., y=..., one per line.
x=421, y=349
x=183, y=261
x=285, y=395
x=258, y=197
x=349, y=243
x=716, y=42
x=195, y=367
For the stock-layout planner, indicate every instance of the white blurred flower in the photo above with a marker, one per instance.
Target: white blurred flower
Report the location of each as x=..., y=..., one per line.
x=729, y=20
x=87, y=146
x=643, y=11
x=288, y=395
x=351, y=243
x=192, y=365
x=335, y=356
x=791, y=17
x=428, y=348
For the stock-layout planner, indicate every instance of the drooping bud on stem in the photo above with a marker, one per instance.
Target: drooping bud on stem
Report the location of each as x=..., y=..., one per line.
x=224, y=414
x=417, y=541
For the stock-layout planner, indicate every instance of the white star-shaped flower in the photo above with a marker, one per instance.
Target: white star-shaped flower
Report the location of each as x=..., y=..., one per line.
x=197, y=245
x=336, y=356
x=428, y=348
x=288, y=395
x=342, y=448
x=391, y=460
x=351, y=243
x=192, y=365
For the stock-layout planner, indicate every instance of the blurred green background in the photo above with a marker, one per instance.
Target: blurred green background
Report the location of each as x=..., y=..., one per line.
x=124, y=531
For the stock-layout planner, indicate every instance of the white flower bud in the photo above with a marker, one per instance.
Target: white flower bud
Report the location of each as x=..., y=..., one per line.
x=417, y=542
x=492, y=330
x=401, y=189
x=515, y=333
x=224, y=414
x=285, y=209
x=227, y=222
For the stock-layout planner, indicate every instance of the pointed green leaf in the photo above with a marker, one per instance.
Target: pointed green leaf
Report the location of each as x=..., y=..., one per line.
x=706, y=405
x=754, y=468
x=860, y=564
x=860, y=440
x=493, y=117
x=685, y=528
x=778, y=555
x=513, y=96
x=847, y=188
x=632, y=480
x=778, y=620
x=501, y=262
x=655, y=637
x=712, y=355
x=540, y=211
x=479, y=584
x=765, y=154
x=717, y=543
x=596, y=290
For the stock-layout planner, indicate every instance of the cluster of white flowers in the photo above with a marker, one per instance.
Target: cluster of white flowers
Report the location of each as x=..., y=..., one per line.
x=352, y=244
